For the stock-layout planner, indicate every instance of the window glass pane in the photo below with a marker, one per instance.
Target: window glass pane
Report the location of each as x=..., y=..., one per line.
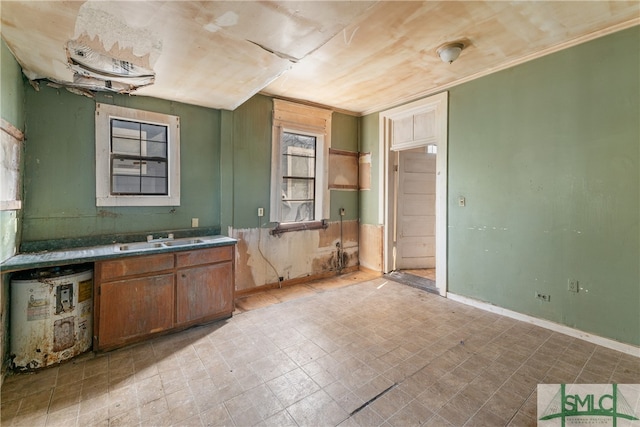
x=155, y=169
x=125, y=129
x=156, y=149
x=121, y=166
x=296, y=211
x=293, y=165
x=154, y=185
x=125, y=146
x=123, y=184
x=302, y=145
x=157, y=133
x=125, y=138
x=298, y=189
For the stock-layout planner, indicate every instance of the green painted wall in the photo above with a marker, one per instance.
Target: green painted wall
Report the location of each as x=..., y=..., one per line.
x=252, y=162
x=369, y=199
x=11, y=81
x=547, y=156
x=60, y=168
x=226, y=170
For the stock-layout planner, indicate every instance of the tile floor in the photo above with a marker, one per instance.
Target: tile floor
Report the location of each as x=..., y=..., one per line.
x=314, y=355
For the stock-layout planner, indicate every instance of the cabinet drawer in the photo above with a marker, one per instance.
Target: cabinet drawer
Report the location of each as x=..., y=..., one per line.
x=118, y=268
x=204, y=256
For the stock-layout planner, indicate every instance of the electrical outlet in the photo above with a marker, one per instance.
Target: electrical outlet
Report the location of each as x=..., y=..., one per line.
x=260, y=211
x=341, y=211
x=543, y=297
x=573, y=285
x=194, y=222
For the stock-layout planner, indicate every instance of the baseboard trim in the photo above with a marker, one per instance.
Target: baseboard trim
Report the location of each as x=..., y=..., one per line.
x=547, y=324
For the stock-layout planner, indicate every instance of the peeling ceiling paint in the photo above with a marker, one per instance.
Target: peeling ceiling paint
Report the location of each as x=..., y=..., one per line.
x=358, y=56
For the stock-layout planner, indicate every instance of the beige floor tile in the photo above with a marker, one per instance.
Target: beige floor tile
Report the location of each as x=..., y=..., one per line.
x=484, y=418
x=125, y=419
x=96, y=417
x=314, y=354
x=292, y=387
x=316, y=410
x=522, y=420
x=216, y=415
x=281, y=419
x=63, y=418
x=437, y=421
x=504, y=404
x=152, y=409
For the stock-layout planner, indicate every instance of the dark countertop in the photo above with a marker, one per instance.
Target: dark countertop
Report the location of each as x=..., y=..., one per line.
x=24, y=261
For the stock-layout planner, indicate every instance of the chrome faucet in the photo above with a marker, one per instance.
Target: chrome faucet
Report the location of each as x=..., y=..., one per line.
x=159, y=239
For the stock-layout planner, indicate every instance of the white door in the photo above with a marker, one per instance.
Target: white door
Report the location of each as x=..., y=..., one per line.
x=416, y=210
x=408, y=203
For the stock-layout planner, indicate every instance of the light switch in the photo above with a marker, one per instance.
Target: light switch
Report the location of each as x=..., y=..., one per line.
x=194, y=222
x=461, y=201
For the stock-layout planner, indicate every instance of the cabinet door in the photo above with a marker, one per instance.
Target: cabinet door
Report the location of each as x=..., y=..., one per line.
x=134, y=308
x=204, y=293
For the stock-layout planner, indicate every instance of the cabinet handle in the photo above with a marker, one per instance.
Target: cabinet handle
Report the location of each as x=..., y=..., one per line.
x=184, y=276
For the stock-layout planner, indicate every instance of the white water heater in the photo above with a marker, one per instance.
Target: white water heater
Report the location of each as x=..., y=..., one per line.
x=51, y=315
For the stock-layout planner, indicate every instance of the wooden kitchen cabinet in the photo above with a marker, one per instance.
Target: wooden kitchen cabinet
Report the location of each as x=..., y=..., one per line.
x=134, y=308
x=203, y=293
x=204, y=285
x=141, y=296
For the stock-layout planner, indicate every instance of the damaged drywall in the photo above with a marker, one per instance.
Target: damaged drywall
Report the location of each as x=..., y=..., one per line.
x=371, y=240
x=111, y=50
x=128, y=37
x=262, y=259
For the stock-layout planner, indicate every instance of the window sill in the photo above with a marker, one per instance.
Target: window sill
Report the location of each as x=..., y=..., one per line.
x=299, y=226
x=118, y=201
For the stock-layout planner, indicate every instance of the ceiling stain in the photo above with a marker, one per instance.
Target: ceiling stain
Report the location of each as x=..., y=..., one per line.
x=353, y=56
x=104, y=29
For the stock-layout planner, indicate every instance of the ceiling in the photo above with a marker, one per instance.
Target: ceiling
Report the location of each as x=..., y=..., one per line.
x=354, y=56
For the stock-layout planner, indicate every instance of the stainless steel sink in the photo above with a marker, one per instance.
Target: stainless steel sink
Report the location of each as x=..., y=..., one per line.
x=142, y=246
x=183, y=242
x=139, y=246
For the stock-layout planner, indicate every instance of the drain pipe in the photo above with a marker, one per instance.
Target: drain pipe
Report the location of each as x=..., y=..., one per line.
x=341, y=248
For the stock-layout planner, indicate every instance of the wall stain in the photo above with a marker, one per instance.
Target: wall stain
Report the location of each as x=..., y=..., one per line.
x=107, y=214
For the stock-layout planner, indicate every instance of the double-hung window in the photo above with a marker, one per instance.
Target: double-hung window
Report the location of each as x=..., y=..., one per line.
x=299, y=191
x=137, y=157
x=298, y=176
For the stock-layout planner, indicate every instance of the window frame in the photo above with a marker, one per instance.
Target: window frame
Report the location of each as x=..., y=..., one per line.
x=303, y=120
x=318, y=158
x=103, y=115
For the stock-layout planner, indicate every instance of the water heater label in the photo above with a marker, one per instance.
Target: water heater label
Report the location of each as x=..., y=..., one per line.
x=64, y=333
x=85, y=290
x=38, y=307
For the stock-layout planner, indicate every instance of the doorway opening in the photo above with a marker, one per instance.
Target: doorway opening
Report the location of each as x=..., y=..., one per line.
x=414, y=140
